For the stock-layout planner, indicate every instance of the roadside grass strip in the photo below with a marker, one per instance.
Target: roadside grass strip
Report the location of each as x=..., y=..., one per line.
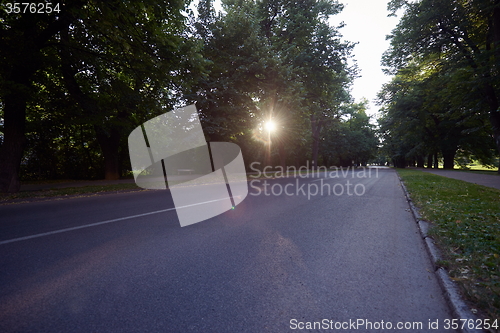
x=69, y=191
x=101, y=189
x=465, y=220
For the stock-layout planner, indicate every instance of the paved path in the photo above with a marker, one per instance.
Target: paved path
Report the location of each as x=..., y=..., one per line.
x=476, y=178
x=121, y=262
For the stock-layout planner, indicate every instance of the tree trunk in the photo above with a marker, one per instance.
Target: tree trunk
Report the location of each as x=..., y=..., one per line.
x=11, y=151
x=25, y=60
x=494, y=115
x=110, y=143
x=282, y=153
x=420, y=162
x=436, y=162
x=108, y=138
x=14, y=101
x=495, y=123
x=491, y=93
x=326, y=160
x=316, y=125
x=449, y=159
x=315, y=148
x=399, y=162
x=429, y=161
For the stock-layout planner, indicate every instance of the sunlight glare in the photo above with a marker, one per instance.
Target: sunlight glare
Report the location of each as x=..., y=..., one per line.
x=270, y=126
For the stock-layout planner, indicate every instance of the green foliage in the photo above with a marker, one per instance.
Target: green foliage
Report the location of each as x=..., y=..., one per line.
x=116, y=65
x=350, y=141
x=103, y=68
x=236, y=61
x=422, y=116
x=444, y=56
x=276, y=60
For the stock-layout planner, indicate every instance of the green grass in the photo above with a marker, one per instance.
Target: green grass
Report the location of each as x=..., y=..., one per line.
x=479, y=167
x=68, y=191
x=466, y=228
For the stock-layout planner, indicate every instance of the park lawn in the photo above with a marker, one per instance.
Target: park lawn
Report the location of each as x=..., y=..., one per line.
x=465, y=221
x=480, y=169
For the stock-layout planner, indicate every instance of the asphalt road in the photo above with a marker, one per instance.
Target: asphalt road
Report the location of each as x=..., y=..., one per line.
x=122, y=263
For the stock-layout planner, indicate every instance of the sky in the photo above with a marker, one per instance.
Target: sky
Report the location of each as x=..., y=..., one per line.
x=366, y=23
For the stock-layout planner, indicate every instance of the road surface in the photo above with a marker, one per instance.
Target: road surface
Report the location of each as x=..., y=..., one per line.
x=277, y=263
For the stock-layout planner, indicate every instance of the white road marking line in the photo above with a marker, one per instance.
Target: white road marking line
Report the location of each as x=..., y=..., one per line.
x=100, y=223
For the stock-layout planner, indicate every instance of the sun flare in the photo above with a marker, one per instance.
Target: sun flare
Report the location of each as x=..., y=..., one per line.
x=270, y=126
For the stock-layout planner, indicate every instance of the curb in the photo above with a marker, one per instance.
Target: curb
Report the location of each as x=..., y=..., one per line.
x=459, y=309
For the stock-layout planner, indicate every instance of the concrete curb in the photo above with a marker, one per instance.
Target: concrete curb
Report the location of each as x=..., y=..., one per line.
x=459, y=309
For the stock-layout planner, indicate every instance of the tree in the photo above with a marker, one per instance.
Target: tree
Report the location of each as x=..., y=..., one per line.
x=272, y=59
x=464, y=34
x=122, y=58
x=120, y=62
x=422, y=115
x=236, y=60
x=350, y=139
x=315, y=56
x=24, y=40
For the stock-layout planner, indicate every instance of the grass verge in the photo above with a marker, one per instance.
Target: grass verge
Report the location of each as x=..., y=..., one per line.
x=26, y=196
x=66, y=192
x=466, y=228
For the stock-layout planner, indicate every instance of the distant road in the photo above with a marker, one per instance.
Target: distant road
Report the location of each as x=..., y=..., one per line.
x=122, y=263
